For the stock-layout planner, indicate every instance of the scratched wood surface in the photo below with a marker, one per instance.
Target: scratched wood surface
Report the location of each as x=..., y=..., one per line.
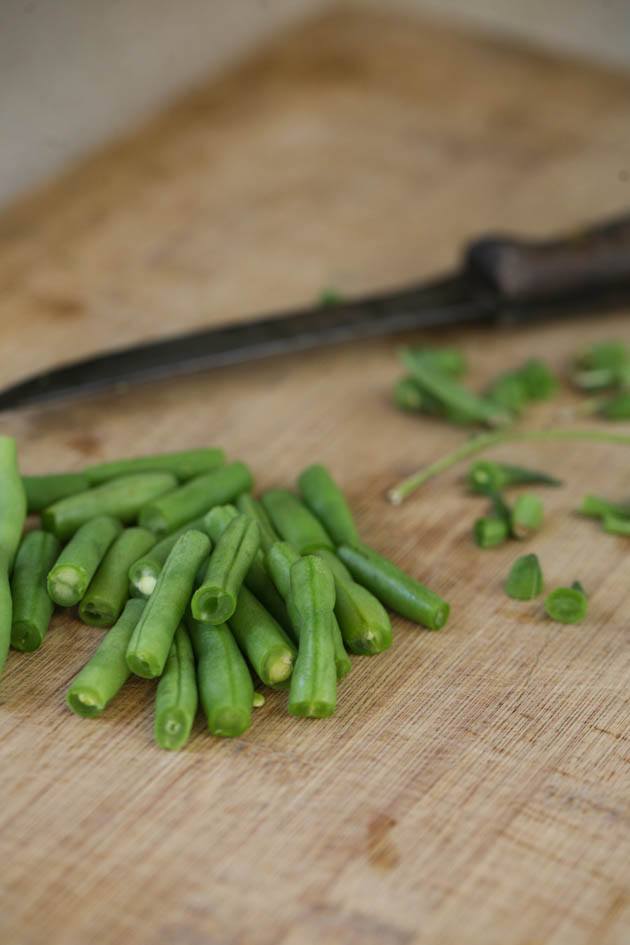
x=473, y=787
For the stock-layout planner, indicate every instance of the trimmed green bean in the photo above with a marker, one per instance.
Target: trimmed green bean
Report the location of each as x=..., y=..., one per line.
x=12, y=516
x=226, y=691
x=262, y=639
x=313, y=690
x=449, y=361
x=364, y=623
x=70, y=576
x=486, y=476
x=394, y=588
x=32, y=606
x=258, y=700
x=615, y=408
x=525, y=580
x=257, y=579
x=105, y=598
x=527, y=515
x=193, y=499
x=489, y=531
x=280, y=559
x=327, y=502
x=567, y=604
x=294, y=522
x=106, y=672
x=183, y=465
x=122, y=498
x=151, y=641
x=595, y=506
x=144, y=572
x=616, y=524
x=42, y=491
x=176, y=696
x=248, y=505
x=215, y=600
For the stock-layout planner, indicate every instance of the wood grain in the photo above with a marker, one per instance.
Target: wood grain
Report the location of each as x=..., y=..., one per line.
x=473, y=787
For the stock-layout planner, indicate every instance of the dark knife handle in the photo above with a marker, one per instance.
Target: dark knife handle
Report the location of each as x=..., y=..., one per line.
x=589, y=261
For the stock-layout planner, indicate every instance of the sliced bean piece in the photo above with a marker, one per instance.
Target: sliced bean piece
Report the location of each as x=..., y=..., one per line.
x=183, y=465
x=70, y=576
x=215, y=600
x=32, y=606
x=364, y=623
x=294, y=523
x=176, y=697
x=105, y=598
x=225, y=685
x=325, y=499
x=262, y=639
x=248, y=505
x=144, y=572
x=42, y=491
x=106, y=672
x=313, y=691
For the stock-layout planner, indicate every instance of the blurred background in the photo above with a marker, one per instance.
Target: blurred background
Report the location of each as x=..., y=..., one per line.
x=75, y=75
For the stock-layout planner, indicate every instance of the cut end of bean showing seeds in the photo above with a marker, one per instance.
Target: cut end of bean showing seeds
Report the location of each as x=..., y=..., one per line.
x=84, y=703
x=213, y=605
x=64, y=587
x=172, y=729
x=279, y=667
x=567, y=604
x=311, y=710
x=258, y=700
x=229, y=722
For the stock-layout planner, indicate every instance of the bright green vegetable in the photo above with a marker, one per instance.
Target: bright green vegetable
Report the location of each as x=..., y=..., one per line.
x=258, y=700
x=176, y=696
x=515, y=389
x=527, y=515
x=449, y=361
x=615, y=408
x=32, y=606
x=294, y=523
x=214, y=601
x=12, y=516
x=489, y=531
x=151, y=641
x=105, y=598
x=248, y=505
x=107, y=671
x=487, y=476
x=595, y=506
x=257, y=579
x=144, y=572
x=394, y=588
x=70, y=576
x=183, y=465
x=330, y=297
x=604, y=364
x=262, y=639
x=616, y=524
x=42, y=491
x=121, y=498
x=195, y=498
x=525, y=580
x=452, y=395
x=280, y=559
x=364, y=623
x=313, y=691
x=540, y=382
x=408, y=395
x=327, y=502
x=225, y=686
x=567, y=604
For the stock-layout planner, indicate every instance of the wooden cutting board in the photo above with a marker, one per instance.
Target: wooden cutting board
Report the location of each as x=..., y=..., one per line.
x=473, y=787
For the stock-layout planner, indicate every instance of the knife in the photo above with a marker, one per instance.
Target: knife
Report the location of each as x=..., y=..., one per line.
x=499, y=276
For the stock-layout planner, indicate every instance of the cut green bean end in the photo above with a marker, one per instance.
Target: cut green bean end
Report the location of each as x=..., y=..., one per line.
x=278, y=666
x=213, y=605
x=142, y=582
x=525, y=580
x=66, y=585
x=143, y=666
x=229, y=722
x=25, y=637
x=172, y=729
x=258, y=700
x=489, y=532
x=311, y=710
x=84, y=702
x=97, y=613
x=567, y=605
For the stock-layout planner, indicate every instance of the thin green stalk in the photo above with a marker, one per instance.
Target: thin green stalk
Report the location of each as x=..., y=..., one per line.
x=484, y=441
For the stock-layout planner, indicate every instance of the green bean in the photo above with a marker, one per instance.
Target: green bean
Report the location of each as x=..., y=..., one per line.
x=489, y=531
x=258, y=700
x=214, y=601
x=32, y=606
x=105, y=598
x=144, y=572
x=452, y=395
x=515, y=389
x=151, y=641
x=394, y=588
x=184, y=465
x=408, y=396
x=327, y=502
x=616, y=524
x=106, y=672
x=70, y=576
x=313, y=691
x=363, y=621
x=12, y=515
x=487, y=476
x=193, y=499
x=257, y=579
x=262, y=639
x=447, y=360
x=527, y=515
x=567, y=604
x=225, y=685
x=176, y=696
x=122, y=498
x=540, y=382
x=248, y=505
x=595, y=506
x=280, y=559
x=525, y=580
x=294, y=523
x=42, y=491
x=615, y=408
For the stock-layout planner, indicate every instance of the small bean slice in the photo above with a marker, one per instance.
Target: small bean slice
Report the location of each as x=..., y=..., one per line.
x=215, y=601
x=144, y=572
x=151, y=641
x=32, y=606
x=364, y=623
x=325, y=499
x=313, y=691
x=105, y=598
x=294, y=523
x=176, y=696
x=107, y=671
x=75, y=567
x=183, y=465
x=262, y=640
x=248, y=505
x=226, y=691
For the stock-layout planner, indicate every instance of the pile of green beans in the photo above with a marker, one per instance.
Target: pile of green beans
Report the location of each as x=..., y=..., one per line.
x=198, y=585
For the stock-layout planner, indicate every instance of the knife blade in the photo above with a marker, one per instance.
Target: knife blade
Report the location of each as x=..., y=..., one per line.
x=499, y=276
